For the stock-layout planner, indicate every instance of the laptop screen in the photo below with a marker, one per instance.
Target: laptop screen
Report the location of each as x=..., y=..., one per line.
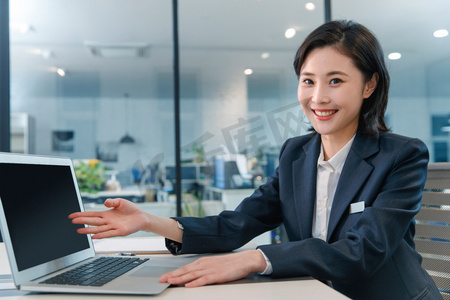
x=37, y=200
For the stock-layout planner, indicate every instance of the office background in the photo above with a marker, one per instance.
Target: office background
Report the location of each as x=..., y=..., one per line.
x=88, y=76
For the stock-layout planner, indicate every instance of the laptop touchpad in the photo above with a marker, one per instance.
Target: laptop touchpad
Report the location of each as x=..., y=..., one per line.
x=151, y=271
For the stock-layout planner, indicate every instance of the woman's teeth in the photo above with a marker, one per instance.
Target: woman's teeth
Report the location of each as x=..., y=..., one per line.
x=324, y=113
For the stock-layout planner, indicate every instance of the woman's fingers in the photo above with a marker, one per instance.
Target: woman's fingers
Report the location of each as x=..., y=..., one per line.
x=124, y=218
x=90, y=214
x=112, y=202
x=89, y=221
x=106, y=234
x=204, y=271
x=217, y=269
x=93, y=230
x=100, y=232
x=205, y=280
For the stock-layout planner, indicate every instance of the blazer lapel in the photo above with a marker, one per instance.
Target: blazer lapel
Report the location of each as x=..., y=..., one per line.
x=355, y=172
x=304, y=173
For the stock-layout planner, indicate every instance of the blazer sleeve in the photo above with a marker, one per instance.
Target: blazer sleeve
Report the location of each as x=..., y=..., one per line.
x=230, y=230
x=370, y=239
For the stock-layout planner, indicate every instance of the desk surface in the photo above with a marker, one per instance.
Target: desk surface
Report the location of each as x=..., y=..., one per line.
x=254, y=288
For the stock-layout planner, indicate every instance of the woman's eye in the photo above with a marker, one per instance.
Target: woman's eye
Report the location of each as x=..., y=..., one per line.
x=307, y=81
x=335, y=81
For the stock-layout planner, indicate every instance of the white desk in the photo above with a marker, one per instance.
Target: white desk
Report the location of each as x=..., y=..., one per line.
x=254, y=288
x=231, y=198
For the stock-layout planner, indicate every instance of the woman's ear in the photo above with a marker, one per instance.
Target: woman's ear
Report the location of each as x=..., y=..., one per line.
x=370, y=86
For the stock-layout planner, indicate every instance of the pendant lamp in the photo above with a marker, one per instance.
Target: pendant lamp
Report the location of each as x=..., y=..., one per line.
x=126, y=139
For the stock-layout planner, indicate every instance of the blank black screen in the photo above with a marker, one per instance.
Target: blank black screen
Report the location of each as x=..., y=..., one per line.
x=37, y=200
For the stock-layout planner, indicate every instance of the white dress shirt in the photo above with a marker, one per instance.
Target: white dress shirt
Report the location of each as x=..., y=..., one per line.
x=328, y=173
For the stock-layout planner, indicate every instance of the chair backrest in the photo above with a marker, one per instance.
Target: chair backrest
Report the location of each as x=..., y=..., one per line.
x=433, y=226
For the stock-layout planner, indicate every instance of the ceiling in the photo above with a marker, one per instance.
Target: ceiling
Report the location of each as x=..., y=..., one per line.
x=59, y=31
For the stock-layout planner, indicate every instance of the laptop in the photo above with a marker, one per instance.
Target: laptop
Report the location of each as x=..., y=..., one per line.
x=37, y=194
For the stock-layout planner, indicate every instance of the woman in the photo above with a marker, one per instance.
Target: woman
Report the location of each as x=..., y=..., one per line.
x=347, y=193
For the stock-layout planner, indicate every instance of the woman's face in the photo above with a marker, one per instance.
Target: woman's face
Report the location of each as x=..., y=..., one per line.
x=331, y=91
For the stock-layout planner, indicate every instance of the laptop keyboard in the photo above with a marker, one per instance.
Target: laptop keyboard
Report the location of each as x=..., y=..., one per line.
x=96, y=273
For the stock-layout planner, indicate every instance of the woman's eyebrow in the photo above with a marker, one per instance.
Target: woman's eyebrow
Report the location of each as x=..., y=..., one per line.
x=306, y=74
x=337, y=73
x=331, y=73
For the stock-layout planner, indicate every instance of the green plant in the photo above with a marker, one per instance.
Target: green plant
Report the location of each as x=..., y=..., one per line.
x=90, y=176
x=192, y=205
x=198, y=151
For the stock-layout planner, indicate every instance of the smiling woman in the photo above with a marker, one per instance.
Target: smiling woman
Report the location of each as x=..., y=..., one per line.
x=347, y=198
x=227, y=112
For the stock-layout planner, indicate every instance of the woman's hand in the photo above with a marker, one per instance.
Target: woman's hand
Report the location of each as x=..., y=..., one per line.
x=124, y=218
x=217, y=269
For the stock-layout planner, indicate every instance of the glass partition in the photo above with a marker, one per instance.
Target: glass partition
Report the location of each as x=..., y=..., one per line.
x=88, y=81
x=240, y=90
x=93, y=80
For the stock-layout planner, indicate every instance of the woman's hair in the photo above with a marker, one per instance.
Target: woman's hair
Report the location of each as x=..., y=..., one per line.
x=357, y=42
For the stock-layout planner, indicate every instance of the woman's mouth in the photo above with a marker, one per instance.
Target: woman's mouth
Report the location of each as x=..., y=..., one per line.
x=324, y=114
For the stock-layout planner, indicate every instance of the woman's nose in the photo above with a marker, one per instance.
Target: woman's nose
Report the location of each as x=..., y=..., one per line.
x=319, y=94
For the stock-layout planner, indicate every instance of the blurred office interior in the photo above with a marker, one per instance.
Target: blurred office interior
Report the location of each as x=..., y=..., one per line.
x=93, y=81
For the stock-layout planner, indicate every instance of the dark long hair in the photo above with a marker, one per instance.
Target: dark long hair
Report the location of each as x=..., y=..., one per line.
x=357, y=42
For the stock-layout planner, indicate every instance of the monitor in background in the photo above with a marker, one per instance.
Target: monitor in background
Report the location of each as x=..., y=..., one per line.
x=187, y=172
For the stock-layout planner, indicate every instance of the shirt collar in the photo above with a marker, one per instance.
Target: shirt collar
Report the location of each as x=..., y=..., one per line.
x=338, y=160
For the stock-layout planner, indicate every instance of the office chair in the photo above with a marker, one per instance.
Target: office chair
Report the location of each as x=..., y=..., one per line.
x=433, y=226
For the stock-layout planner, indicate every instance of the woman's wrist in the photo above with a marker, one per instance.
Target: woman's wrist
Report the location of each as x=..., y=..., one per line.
x=165, y=227
x=259, y=261
x=148, y=222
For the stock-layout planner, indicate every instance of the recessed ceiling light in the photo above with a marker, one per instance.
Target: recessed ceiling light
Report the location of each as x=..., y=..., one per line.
x=248, y=71
x=36, y=51
x=265, y=55
x=394, y=56
x=61, y=72
x=290, y=33
x=46, y=54
x=440, y=33
x=310, y=6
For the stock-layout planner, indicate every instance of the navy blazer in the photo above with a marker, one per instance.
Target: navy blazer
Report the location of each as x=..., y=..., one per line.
x=369, y=254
